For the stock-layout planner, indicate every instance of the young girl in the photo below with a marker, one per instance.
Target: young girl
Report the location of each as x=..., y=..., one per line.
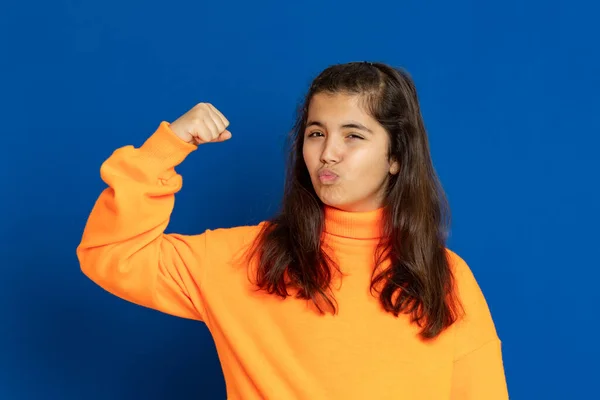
x=348, y=292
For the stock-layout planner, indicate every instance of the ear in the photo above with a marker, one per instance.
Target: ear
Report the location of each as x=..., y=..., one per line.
x=394, y=167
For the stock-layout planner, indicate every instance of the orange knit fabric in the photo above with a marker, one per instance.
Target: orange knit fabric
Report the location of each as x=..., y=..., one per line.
x=272, y=348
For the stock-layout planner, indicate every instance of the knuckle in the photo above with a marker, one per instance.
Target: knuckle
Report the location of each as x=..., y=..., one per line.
x=200, y=107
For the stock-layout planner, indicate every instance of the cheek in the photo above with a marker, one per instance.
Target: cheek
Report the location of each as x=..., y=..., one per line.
x=304, y=155
x=309, y=156
x=361, y=162
x=369, y=168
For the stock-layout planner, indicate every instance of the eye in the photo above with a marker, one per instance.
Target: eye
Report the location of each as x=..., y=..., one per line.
x=355, y=136
x=315, y=134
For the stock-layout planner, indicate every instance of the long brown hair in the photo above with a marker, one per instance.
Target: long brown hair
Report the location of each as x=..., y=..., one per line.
x=418, y=279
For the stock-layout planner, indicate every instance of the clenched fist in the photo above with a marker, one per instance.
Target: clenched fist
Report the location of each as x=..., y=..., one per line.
x=202, y=124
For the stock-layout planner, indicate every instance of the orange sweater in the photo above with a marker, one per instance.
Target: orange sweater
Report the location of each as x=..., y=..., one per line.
x=268, y=347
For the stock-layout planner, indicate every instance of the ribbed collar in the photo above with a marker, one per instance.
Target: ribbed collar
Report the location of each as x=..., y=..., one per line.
x=357, y=225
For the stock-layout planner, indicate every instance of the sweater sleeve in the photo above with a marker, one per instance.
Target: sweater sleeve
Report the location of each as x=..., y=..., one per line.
x=124, y=248
x=478, y=371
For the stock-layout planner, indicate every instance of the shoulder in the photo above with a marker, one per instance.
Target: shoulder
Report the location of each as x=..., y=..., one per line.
x=456, y=261
x=475, y=323
x=463, y=275
x=465, y=284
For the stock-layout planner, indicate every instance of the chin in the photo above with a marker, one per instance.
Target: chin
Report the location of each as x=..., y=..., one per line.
x=333, y=196
x=348, y=205
x=332, y=201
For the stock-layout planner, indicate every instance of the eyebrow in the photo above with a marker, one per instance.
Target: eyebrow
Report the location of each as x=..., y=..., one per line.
x=349, y=124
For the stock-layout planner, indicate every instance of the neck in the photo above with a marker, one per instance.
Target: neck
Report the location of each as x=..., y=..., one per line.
x=357, y=225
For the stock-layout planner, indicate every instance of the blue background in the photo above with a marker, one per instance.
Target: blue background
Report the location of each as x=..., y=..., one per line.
x=510, y=95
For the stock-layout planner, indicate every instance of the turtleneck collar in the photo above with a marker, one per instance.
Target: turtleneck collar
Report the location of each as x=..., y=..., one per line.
x=356, y=225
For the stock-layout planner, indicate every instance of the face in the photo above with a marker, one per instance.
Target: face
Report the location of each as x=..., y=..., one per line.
x=346, y=153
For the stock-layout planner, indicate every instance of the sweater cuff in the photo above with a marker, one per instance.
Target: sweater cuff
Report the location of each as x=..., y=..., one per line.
x=165, y=147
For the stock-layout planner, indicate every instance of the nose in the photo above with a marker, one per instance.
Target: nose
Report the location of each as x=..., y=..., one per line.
x=331, y=153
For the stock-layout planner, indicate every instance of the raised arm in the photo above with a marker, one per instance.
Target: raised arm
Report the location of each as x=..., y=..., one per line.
x=124, y=248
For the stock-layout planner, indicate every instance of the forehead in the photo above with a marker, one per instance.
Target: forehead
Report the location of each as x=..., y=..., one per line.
x=339, y=106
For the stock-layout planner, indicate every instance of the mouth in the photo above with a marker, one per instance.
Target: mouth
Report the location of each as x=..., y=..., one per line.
x=327, y=176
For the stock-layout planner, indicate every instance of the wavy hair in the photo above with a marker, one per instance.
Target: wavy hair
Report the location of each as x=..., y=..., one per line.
x=417, y=279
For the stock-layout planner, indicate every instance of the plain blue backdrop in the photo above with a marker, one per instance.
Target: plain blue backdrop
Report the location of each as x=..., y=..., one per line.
x=510, y=96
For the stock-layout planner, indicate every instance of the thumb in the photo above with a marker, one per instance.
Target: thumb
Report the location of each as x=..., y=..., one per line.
x=225, y=135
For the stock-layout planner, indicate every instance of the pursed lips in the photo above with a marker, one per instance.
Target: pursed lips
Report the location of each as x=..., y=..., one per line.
x=327, y=175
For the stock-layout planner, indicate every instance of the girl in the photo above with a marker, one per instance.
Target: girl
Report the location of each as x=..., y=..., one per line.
x=349, y=292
